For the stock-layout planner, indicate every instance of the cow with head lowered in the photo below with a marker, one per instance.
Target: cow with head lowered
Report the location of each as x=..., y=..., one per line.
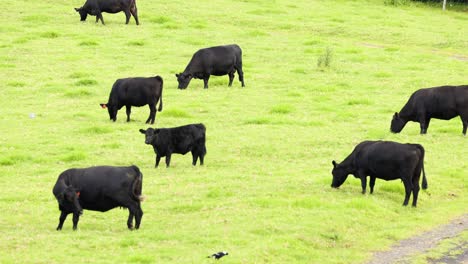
x=385, y=160
x=138, y=91
x=180, y=140
x=218, y=61
x=99, y=188
x=443, y=102
x=97, y=7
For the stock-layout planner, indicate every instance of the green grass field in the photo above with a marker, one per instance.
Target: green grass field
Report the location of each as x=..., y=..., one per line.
x=264, y=193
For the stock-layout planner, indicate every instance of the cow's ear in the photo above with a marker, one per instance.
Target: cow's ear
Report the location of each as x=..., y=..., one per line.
x=142, y=131
x=334, y=164
x=103, y=106
x=177, y=75
x=395, y=115
x=77, y=9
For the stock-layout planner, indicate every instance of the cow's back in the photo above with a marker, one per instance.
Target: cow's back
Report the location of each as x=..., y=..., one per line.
x=98, y=185
x=386, y=159
x=137, y=91
x=218, y=57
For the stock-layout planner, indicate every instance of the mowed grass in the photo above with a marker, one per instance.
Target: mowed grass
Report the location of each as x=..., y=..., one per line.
x=264, y=193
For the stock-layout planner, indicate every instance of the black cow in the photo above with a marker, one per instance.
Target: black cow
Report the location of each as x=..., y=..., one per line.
x=179, y=140
x=443, y=102
x=96, y=7
x=99, y=189
x=384, y=160
x=138, y=91
x=218, y=61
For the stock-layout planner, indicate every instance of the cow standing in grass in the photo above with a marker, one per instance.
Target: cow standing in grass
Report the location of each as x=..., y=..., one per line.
x=444, y=102
x=218, y=61
x=138, y=91
x=99, y=189
x=181, y=140
x=384, y=160
x=97, y=7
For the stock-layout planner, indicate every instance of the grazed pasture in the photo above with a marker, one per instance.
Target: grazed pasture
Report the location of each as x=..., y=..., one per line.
x=264, y=192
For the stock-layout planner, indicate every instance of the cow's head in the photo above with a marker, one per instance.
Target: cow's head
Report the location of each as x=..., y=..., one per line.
x=68, y=200
x=339, y=175
x=112, y=109
x=397, y=123
x=150, y=135
x=183, y=79
x=83, y=13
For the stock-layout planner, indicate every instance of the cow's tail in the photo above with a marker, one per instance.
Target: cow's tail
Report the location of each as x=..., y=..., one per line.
x=137, y=185
x=160, y=97
x=424, y=180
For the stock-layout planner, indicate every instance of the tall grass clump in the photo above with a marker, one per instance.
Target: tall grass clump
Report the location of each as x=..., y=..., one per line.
x=325, y=59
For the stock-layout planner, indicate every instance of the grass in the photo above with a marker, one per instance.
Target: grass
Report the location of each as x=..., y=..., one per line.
x=264, y=193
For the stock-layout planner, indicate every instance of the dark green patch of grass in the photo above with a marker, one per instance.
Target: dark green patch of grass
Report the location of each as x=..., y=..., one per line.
x=136, y=43
x=78, y=75
x=174, y=112
x=50, y=34
x=78, y=93
x=112, y=145
x=13, y=160
x=16, y=84
x=74, y=156
x=282, y=109
x=85, y=82
x=88, y=43
x=96, y=130
x=160, y=20
x=258, y=121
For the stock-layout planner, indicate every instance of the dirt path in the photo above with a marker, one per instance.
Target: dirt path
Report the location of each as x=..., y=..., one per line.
x=416, y=245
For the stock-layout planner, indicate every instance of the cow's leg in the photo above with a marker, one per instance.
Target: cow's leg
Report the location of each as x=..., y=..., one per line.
x=205, y=81
x=99, y=16
x=134, y=12
x=158, y=159
x=361, y=175
x=127, y=16
x=464, y=119
x=76, y=218
x=424, y=124
x=63, y=216
x=152, y=115
x=202, y=155
x=168, y=160
x=128, y=108
x=371, y=184
x=194, y=157
x=415, y=190
x=231, y=78
x=363, y=184
x=241, y=74
x=408, y=188
x=138, y=216
x=130, y=219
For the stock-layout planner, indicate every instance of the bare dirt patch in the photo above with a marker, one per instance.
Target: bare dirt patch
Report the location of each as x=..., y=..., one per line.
x=426, y=241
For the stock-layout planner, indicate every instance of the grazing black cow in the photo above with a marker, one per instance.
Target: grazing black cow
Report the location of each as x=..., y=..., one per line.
x=181, y=140
x=96, y=7
x=138, y=91
x=99, y=189
x=384, y=160
x=218, y=61
x=443, y=102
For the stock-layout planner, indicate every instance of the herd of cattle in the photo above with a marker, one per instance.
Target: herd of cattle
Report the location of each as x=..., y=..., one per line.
x=103, y=188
